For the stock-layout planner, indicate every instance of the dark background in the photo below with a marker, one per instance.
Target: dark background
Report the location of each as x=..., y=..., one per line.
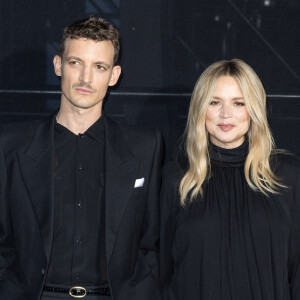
x=165, y=46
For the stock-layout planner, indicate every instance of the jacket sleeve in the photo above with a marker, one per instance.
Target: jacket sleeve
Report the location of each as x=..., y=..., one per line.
x=169, y=205
x=7, y=250
x=150, y=234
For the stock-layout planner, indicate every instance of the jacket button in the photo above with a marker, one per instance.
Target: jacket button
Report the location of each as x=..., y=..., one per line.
x=43, y=271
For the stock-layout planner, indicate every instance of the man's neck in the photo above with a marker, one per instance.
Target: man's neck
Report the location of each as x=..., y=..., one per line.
x=78, y=120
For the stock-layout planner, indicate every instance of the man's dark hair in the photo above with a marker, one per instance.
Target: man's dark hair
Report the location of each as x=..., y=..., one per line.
x=92, y=28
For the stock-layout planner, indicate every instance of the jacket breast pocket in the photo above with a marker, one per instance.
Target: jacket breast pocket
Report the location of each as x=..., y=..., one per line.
x=139, y=192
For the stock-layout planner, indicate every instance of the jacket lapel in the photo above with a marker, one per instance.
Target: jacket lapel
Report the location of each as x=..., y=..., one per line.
x=121, y=171
x=36, y=164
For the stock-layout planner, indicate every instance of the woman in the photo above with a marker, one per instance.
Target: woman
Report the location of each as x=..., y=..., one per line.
x=230, y=227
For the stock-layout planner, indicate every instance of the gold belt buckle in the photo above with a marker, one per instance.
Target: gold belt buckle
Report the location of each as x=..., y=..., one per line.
x=82, y=289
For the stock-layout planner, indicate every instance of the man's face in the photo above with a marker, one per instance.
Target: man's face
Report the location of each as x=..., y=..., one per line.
x=86, y=70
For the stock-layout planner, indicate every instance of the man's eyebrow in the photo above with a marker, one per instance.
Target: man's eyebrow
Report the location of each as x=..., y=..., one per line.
x=73, y=57
x=102, y=63
x=107, y=65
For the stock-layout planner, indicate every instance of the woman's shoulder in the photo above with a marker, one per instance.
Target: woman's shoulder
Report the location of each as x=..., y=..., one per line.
x=286, y=167
x=286, y=162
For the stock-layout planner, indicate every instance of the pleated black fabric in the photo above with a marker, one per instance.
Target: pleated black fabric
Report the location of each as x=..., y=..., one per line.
x=235, y=243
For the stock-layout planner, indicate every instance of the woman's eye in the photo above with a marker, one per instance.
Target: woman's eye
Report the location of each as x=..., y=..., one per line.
x=214, y=103
x=239, y=104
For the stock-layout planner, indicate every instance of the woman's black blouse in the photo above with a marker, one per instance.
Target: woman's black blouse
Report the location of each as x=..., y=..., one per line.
x=235, y=243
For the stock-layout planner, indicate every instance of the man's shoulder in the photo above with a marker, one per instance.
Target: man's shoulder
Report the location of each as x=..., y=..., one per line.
x=139, y=131
x=136, y=132
x=142, y=142
x=172, y=173
x=17, y=134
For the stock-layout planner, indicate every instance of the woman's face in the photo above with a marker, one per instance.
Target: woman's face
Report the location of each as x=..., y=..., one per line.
x=227, y=119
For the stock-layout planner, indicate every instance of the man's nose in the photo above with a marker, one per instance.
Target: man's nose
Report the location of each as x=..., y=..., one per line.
x=86, y=75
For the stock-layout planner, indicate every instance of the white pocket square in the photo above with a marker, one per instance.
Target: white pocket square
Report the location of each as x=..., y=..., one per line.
x=139, y=182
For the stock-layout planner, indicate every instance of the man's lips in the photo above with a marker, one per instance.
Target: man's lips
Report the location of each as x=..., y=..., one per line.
x=83, y=91
x=226, y=127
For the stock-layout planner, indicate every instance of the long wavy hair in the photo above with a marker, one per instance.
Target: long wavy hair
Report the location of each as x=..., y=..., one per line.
x=258, y=173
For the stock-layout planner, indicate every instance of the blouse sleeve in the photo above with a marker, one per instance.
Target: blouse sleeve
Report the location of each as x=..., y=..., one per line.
x=291, y=174
x=169, y=206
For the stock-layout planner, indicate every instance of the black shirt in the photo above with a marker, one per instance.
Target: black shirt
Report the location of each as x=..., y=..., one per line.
x=78, y=252
x=234, y=243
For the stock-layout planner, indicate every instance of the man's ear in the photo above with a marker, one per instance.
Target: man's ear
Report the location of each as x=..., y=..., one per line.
x=115, y=74
x=57, y=65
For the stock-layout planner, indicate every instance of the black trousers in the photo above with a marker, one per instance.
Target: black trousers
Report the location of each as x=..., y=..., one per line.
x=58, y=296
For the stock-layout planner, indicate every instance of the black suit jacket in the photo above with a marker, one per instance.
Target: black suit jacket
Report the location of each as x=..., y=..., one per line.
x=26, y=209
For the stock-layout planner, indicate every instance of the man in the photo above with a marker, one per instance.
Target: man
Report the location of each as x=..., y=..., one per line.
x=78, y=192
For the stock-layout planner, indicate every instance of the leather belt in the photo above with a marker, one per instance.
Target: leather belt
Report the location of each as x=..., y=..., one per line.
x=79, y=291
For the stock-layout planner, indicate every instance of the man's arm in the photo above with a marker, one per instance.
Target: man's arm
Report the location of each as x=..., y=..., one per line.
x=7, y=251
x=150, y=236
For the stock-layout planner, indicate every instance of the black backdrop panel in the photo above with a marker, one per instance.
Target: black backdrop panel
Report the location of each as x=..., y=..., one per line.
x=166, y=44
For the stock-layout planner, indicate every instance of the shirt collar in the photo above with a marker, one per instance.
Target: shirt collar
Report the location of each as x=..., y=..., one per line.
x=95, y=131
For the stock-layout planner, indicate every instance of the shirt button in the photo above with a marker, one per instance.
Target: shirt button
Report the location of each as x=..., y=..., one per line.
x=80, y=168
x=133, y=283
x=78, y=241
x=43, y=271
x=79, y=205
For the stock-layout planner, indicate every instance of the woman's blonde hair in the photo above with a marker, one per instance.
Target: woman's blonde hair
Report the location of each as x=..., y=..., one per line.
x=257, y=169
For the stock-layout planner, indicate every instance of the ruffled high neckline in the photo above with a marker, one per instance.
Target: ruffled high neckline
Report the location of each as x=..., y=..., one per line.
x=229, y=157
